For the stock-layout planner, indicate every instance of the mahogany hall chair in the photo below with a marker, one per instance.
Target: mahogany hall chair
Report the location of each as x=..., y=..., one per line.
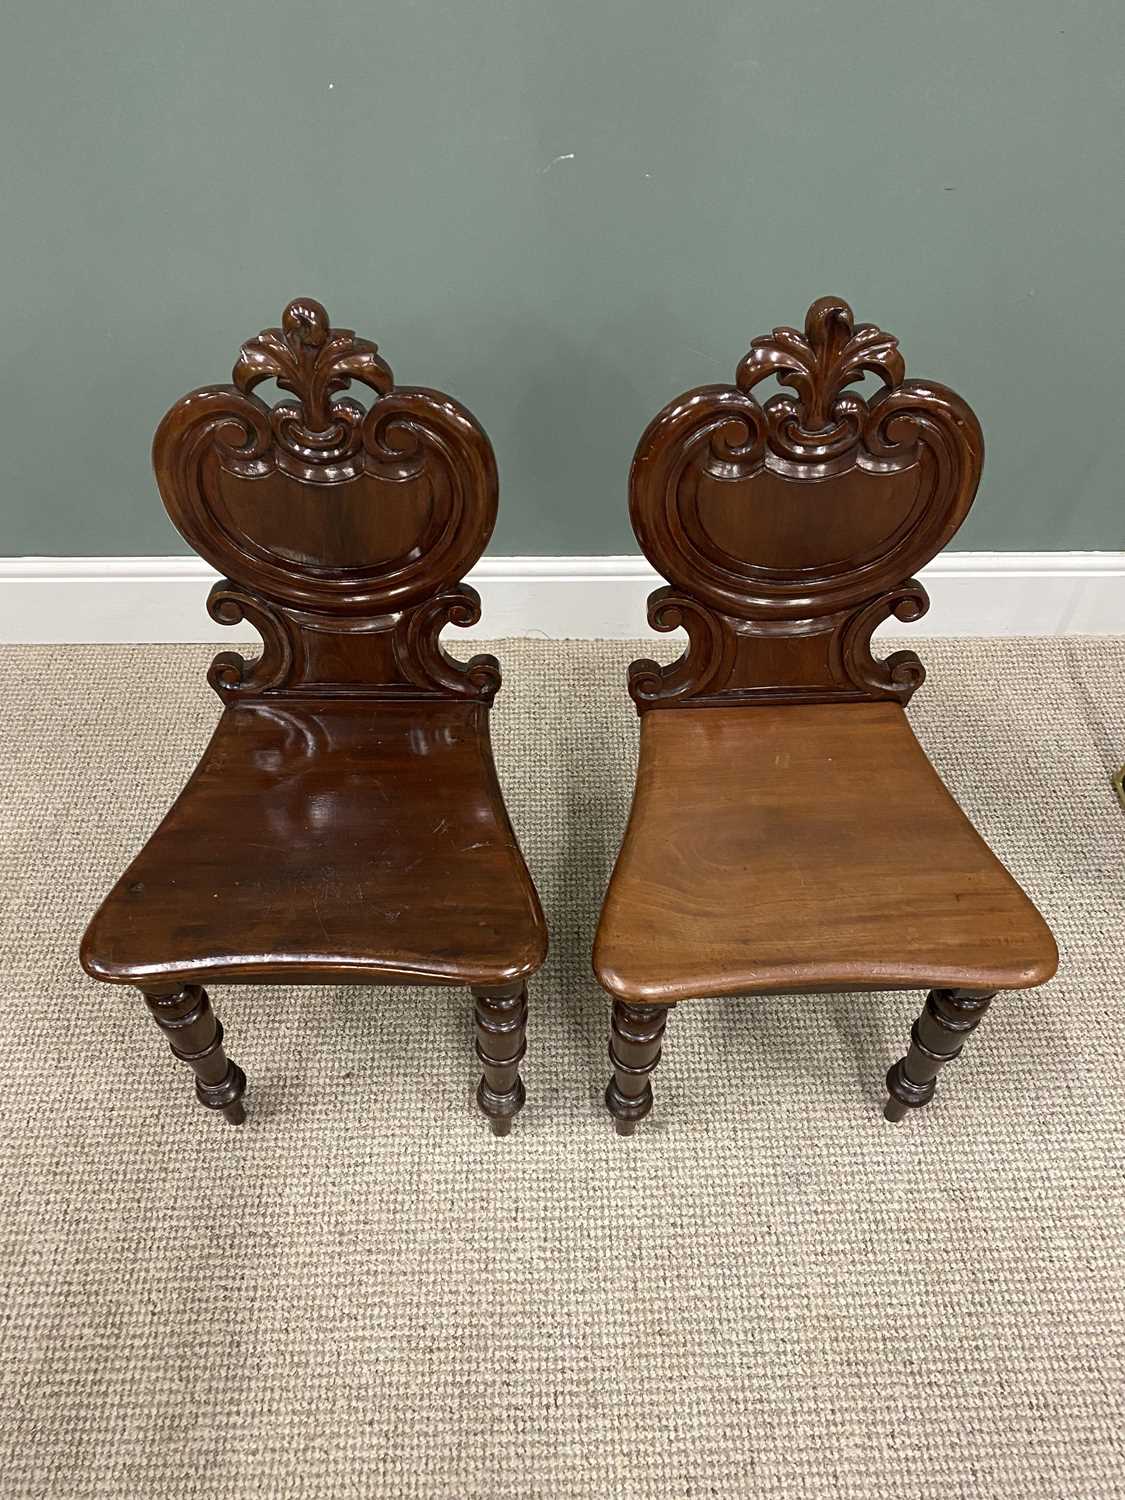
x=345, y=824
x=788, y=833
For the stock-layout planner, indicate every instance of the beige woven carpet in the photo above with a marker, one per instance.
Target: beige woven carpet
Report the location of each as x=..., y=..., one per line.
x=767, y=1292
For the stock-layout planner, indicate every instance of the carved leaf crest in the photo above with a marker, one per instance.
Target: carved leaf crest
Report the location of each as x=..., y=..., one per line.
x=831, y=354
x=313, y=361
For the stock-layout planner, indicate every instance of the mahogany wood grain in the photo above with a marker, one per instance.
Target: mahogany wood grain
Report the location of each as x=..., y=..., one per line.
x=358, y=841
x=788, y=833
x=805, y=847
x=345, y=823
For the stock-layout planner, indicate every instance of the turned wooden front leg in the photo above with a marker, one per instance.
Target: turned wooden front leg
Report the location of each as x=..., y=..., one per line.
x=195, y=1035
x=501, y=1017
x=635, y=1036
x=937, y=1038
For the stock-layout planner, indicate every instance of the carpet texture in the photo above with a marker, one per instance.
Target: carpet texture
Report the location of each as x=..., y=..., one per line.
x=767, y=1292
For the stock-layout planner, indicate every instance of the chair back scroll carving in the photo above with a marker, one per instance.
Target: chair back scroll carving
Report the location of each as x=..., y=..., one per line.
x=343, y=531
x=790, y=530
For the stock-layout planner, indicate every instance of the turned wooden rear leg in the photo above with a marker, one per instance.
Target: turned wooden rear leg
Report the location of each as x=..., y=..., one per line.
x=635, y=1035
x=936, y=1038
x=501, y=1016
x=195, y=1034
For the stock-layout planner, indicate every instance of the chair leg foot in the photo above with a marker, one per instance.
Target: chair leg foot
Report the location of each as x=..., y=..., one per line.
x=893, y=1110
x=501, y=1021
x=635, y=1036
x=936, y=1038
x=195, y=1034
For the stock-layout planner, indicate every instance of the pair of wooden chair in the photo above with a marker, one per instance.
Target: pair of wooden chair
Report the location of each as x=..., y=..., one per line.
x=345, y=823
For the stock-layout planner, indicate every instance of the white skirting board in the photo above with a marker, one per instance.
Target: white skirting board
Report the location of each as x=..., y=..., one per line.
x=158, y=599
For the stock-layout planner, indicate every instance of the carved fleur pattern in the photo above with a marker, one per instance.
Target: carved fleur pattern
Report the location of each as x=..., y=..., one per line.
x=312, y=360
x=831, y=354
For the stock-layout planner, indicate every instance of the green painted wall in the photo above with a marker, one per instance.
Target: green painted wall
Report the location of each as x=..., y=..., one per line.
x=564, y=212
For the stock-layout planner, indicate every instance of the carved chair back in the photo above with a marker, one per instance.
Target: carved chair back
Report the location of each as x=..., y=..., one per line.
x=343, y=532
x=788, y=531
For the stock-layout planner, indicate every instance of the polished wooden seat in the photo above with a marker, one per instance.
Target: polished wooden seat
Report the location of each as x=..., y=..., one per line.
x=788, y=833
x=810, y=848
x=347, y=840
x=345, y=824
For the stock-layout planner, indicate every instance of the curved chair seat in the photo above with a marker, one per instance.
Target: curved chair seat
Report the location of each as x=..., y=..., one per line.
x=354, y=840
x=805, y=847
